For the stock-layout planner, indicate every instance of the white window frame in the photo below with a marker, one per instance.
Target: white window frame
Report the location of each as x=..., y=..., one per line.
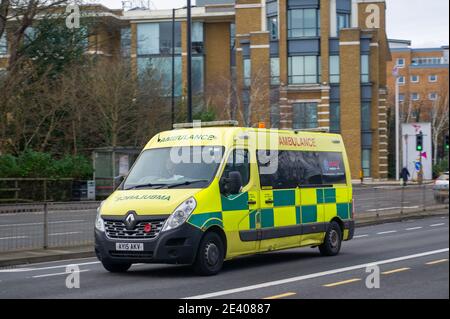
x=415, y=76
x=401, y=82
x=400, y=65
x=430, y=80
x=430, y=96
x=412, y=97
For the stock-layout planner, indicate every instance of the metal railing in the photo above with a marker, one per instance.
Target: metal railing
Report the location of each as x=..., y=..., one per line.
x=57, y=225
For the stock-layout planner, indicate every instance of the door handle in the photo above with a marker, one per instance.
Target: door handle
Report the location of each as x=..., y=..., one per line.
x=269, y=201
x=252, y=202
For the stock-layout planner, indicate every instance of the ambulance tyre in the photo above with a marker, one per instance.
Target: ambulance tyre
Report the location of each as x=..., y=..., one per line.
x=115, y=267
x=210, y=255
x=333, y=240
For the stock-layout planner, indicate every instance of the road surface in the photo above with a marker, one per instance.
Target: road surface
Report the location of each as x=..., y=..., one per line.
x=412, y=257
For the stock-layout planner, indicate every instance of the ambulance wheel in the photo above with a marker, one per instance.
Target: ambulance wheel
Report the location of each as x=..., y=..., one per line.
x=115, y=267
x=333, y=240
x=210, y=255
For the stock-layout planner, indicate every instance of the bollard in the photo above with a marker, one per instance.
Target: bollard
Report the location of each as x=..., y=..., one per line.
x=402, y=200
x=45, y=225
x=424, y=199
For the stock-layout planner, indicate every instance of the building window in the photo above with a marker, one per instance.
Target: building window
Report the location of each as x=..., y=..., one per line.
x=401, y=97
x=303, y=23
x=148, y=38
x=415, y=96
x=335, y=117
x=432, y=78
x=197, y=74
x=415, y=79
x=197, y=38
x=366, y=162
x=428, y=61
x=247, y=72
x=272, y=26
x=343, y=21
x=334, y=69
x=303, y=69
x=274, y=71
x=365, y=76
x=165, y=38
x=400, y=62
x=432, y=96
x=401, y=80
x=3, y=44
x=304, y=116
x=366, y=117
x=125, y=42
x=161, y=69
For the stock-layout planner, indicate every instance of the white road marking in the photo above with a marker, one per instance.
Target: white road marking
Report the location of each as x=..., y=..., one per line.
x=15, y=237
x=36, y=224
x=58, y=274
x=360, y=236
x=414, y=228
x=387, y=232
x=68, y=233
x=63, y=266
x=14, y=270
x=316, y=275
x=391, y=208
x=436, y=225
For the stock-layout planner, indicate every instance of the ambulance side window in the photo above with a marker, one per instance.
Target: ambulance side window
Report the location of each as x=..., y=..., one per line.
x=238, y=161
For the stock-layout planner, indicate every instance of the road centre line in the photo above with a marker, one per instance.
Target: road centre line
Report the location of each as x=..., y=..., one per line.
x=316, y=275
x=436, y=262
x=288, y=294
x=394, y=271
x=436, y=225
x=414, y=228
x=68, y=233
x=339, y=283
x=361, y=236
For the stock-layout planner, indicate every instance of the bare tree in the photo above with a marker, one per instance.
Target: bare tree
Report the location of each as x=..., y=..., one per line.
x=439, y=118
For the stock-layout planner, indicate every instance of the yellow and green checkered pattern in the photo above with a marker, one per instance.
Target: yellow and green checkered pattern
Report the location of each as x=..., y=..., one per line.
x=290, y=207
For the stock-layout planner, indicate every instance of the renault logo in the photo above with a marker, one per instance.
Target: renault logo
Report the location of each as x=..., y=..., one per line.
x=130, y=220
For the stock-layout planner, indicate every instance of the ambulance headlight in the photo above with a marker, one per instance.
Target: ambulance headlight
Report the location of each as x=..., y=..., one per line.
x=181, y=214
x=99, y=223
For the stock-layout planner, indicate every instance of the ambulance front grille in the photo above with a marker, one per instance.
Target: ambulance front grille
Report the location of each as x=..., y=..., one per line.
x=118, y=230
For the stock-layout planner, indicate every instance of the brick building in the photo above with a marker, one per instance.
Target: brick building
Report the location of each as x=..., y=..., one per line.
x=423, y=78
x=298, y=64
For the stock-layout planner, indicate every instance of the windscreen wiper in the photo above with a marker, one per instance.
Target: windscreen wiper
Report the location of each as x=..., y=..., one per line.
x=188, y=183
x=146, y=185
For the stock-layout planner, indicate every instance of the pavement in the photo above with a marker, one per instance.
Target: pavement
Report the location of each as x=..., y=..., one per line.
x=412, y=257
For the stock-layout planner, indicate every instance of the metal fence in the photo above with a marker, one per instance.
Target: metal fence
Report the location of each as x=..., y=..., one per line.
x=54, y=225
x=47, y=225
x=385, y=200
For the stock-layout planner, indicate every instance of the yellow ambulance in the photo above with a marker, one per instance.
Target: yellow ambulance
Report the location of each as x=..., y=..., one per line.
x=202, y=195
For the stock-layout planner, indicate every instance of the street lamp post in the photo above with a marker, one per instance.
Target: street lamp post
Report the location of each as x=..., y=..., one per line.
x=173, y=66
x=189, y=62
x=397, y=125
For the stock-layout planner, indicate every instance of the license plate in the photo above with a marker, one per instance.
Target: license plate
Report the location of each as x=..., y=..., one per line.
x=129, y=246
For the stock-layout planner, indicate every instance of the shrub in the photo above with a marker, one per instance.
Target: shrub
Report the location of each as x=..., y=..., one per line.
x=32, y=164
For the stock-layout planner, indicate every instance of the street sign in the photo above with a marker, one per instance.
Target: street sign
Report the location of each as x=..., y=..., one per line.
x=418, y=166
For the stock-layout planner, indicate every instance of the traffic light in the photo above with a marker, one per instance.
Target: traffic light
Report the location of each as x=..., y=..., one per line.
x=419, y=142
x=446, y=143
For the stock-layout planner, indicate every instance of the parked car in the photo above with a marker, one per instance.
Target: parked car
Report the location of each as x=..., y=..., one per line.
x=440, y=188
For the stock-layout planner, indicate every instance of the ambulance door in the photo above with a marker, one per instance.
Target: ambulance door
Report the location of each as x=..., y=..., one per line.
x=239, y=211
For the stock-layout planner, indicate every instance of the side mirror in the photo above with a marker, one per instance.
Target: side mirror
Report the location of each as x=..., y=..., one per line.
x=118, y=180
x=233, y=184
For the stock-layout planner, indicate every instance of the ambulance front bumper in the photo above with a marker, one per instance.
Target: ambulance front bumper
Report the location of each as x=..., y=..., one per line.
x=177, y=246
